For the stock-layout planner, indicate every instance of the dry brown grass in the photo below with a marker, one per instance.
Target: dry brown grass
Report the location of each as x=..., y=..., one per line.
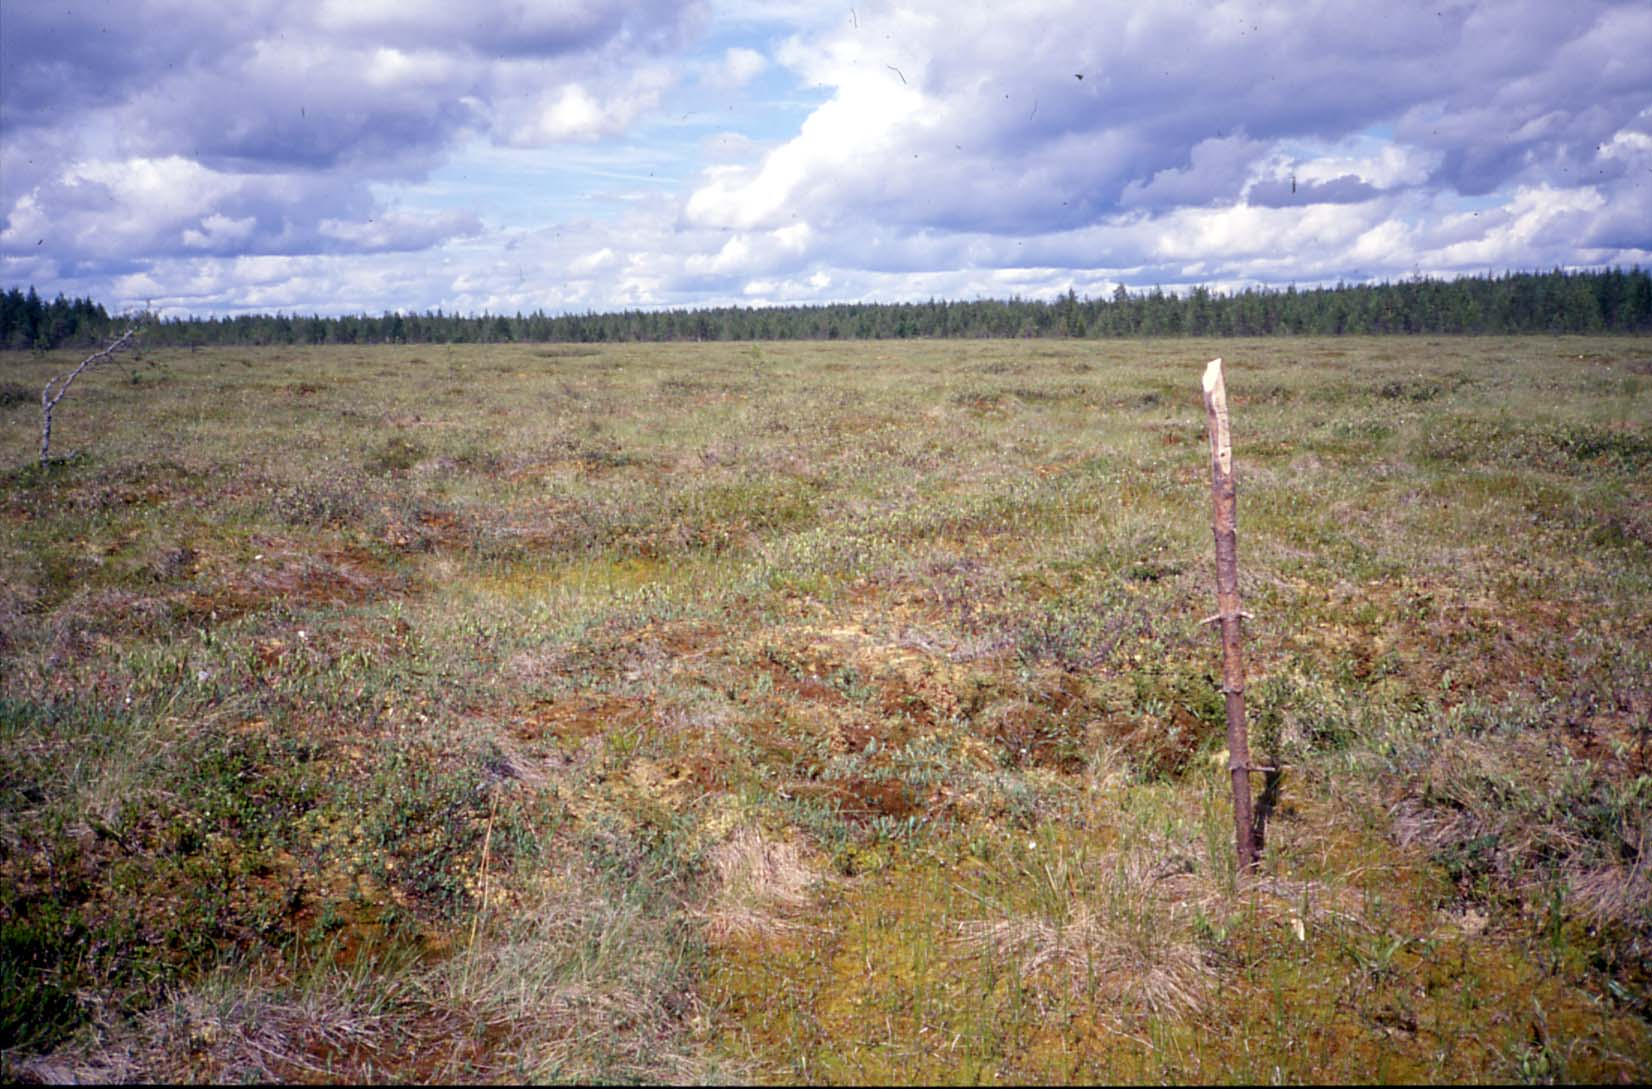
x=762, y=886
x=1127, y=941
x=1092, y=956
x=578, y=985
x=1520, y=809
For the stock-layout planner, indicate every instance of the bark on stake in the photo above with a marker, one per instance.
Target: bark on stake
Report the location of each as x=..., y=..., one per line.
x=1224, y=524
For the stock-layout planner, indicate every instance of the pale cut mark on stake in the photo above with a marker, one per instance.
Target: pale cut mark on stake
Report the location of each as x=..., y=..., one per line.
x=1216, y=398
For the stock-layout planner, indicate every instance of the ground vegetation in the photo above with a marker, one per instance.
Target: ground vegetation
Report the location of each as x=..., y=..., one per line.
x=826, y=712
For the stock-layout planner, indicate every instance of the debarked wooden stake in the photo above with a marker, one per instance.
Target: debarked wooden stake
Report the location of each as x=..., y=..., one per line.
x=1224, y=524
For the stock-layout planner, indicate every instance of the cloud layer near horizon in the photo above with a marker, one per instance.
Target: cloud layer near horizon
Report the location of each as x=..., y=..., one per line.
x=337, y=156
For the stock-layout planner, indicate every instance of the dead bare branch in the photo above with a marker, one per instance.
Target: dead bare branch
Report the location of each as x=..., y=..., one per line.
x=59, y=385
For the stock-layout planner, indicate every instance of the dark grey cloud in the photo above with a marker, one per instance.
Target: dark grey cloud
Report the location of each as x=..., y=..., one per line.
x=59, y=61
x=155, y=128
x=1627, y=223
x=1533, y=89
x=301, y=83
x=1289, y=193
x=1217, y=170
x=1179, y=103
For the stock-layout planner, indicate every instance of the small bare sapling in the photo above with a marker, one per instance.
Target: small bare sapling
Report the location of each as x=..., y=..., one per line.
x=59, y=385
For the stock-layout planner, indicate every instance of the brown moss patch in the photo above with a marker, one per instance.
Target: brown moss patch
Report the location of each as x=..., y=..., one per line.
x=579, y=717
x=284, y=573
x=860, y=800
x=428, y=530
x=1047, y=728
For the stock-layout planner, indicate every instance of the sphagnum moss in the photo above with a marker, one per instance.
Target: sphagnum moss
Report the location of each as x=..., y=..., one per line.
x=825, y=712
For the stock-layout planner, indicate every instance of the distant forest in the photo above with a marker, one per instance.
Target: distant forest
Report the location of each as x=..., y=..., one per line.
x=1604, y=301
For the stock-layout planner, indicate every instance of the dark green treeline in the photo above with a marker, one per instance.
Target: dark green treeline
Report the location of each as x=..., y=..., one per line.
x=1604, y=301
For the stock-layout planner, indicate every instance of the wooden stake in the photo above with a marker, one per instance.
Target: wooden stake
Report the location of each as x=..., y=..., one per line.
x=1224, y=524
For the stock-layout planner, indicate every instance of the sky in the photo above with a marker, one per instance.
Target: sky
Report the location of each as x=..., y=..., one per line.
x=349, y=156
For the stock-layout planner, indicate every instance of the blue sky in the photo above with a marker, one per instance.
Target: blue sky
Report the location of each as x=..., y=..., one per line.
x=347, y=155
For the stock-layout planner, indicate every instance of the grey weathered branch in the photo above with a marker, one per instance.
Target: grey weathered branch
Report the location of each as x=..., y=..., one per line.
x=59, y=385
